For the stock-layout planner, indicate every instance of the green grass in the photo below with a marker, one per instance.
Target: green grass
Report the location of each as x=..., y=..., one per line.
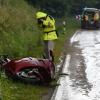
x=19, y=38
x=18, y=91
x=71, y=26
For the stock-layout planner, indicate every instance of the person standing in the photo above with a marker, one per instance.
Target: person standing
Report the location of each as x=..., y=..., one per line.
x=47, y=25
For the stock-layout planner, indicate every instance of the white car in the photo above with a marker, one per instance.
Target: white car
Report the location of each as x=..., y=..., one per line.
x=90, y=18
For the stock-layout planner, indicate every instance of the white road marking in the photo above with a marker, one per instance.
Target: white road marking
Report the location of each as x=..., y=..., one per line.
x=60, y=92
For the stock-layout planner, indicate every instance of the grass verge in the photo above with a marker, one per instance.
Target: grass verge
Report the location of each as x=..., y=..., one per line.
x=24, y=44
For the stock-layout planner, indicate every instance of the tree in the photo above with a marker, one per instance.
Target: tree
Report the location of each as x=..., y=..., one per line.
x=60, y=8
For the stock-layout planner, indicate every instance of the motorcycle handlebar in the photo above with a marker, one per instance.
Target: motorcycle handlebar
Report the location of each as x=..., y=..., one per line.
x=3, y=59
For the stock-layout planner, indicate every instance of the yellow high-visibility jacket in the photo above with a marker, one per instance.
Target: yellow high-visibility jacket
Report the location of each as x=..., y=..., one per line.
x=49, y=30
x=48, y=26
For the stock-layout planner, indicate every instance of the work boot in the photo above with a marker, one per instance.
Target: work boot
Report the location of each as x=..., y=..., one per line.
x=51, y=56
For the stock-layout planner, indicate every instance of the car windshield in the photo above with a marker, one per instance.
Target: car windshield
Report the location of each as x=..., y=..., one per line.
x=89, y=13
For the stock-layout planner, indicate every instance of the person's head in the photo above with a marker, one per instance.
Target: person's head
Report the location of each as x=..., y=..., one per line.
x=40, y=17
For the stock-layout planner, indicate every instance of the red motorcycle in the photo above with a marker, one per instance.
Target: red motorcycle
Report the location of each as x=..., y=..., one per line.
x=29, y=69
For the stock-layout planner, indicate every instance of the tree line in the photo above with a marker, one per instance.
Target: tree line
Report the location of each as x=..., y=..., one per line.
x=60, y=8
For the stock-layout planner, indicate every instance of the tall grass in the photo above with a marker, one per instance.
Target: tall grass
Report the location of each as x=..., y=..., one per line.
x=18, y=38
x=18, y=31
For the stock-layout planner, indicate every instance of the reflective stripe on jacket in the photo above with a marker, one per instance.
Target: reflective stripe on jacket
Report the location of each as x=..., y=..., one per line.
x=50, y=36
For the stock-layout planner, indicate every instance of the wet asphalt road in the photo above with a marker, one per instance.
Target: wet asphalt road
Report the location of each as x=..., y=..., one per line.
x=82, y=64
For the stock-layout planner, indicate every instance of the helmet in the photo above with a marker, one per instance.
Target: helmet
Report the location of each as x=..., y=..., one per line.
x=40, y=15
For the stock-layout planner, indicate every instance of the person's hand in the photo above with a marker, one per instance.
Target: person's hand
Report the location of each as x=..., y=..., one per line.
x=49, y=25
x=40, y=21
